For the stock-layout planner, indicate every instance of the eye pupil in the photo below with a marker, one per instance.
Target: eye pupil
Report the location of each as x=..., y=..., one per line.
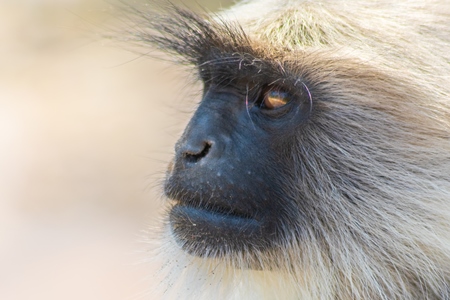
x=274, y=99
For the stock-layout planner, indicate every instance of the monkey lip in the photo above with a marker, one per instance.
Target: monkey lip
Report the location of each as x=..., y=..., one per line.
x=200, y=230
x=212, y=213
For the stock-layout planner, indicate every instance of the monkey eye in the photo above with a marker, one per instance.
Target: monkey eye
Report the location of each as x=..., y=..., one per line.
x=274, y=98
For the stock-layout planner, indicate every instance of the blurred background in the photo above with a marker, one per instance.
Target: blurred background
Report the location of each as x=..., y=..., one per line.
x=86, y=131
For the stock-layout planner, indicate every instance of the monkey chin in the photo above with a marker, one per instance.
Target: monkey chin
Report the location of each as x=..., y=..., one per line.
x=217, y=232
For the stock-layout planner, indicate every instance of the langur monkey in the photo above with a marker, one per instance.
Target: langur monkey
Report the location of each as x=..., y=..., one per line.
x=317, y=164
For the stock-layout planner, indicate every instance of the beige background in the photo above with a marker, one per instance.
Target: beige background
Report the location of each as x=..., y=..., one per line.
x=86, y=131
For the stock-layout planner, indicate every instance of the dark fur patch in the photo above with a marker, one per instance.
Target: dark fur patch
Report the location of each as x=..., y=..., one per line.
x=220, y=49
x=196, y=38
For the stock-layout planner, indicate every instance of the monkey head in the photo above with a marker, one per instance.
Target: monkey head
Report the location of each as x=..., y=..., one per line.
x=320, y=148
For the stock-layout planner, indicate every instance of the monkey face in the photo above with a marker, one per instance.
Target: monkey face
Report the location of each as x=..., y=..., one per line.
x=228, y=177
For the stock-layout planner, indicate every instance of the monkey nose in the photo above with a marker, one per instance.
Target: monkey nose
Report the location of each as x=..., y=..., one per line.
x=192, y=152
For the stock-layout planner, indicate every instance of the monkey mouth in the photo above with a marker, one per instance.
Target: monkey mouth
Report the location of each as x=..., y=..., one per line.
x=212, y=211
x=213, y=229
x=211, y=214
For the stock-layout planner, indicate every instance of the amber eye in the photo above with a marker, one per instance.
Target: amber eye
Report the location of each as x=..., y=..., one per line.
x=274, y=99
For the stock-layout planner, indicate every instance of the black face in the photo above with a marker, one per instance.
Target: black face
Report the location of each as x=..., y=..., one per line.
x=228, y=179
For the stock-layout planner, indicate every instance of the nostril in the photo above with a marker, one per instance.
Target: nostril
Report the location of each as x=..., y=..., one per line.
x=193, y=157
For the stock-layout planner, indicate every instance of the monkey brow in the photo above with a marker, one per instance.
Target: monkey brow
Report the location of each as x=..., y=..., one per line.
x=197, y=39
x=220, y=49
